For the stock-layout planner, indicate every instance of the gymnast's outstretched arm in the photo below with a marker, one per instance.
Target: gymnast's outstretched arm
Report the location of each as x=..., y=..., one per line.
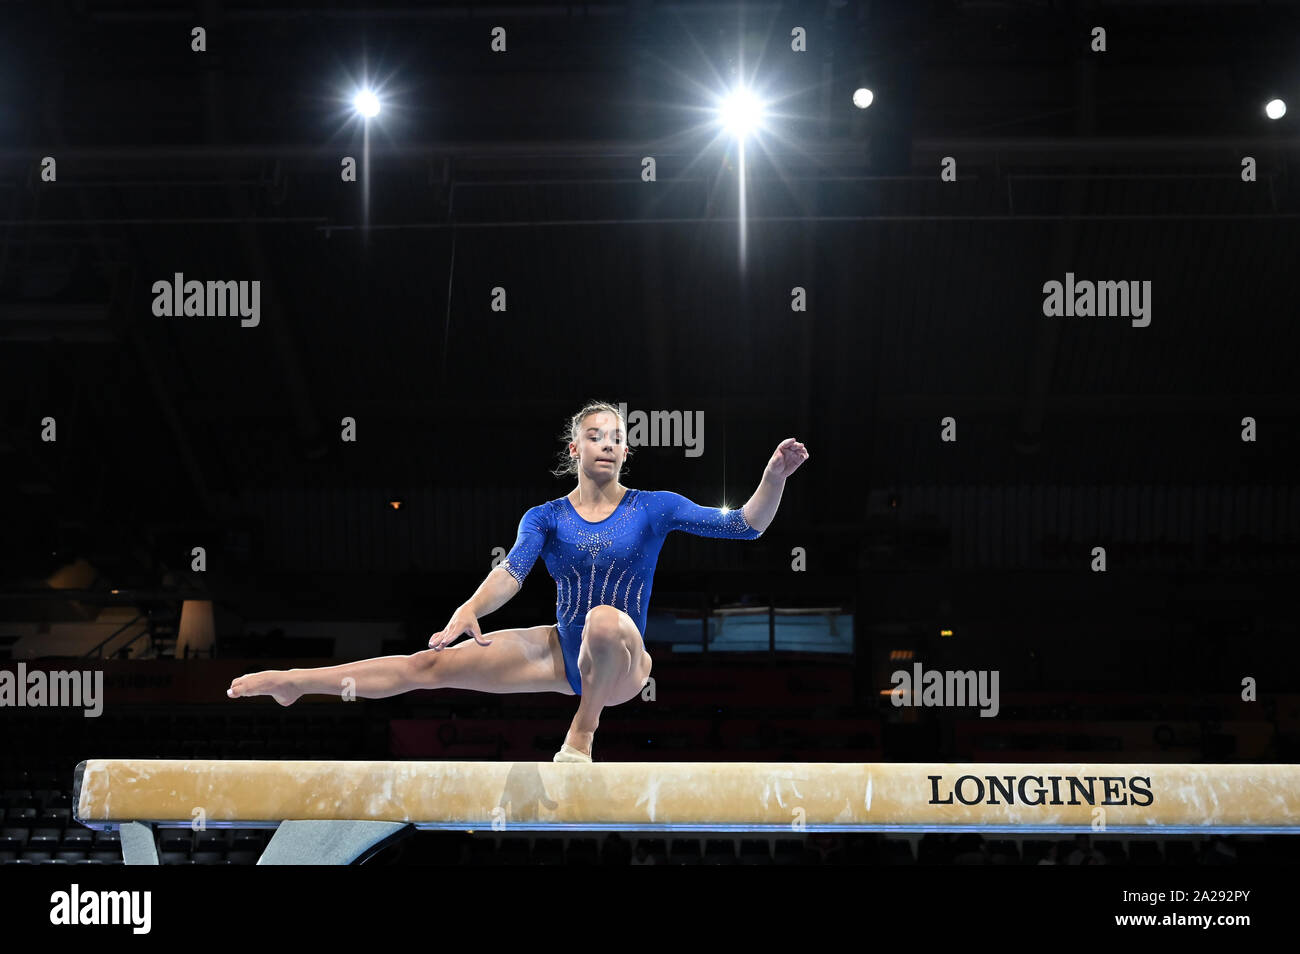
x=501, y=584
x=493, y=593
x=761, y=507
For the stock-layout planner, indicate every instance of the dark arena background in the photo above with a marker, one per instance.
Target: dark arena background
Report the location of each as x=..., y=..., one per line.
x=997, y=299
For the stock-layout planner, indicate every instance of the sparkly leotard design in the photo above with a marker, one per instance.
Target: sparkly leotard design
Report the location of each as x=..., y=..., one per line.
x=611, y=561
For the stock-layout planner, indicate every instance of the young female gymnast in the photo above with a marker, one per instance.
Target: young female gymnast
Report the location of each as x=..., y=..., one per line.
x=600, y=543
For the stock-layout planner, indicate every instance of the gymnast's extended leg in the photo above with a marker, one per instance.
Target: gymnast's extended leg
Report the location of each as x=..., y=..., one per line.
x=518, y=660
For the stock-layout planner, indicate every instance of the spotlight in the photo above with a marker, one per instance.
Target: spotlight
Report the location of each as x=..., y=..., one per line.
x=741, y=112
x=366, y=103
x=1275, y=109
x=862, y=97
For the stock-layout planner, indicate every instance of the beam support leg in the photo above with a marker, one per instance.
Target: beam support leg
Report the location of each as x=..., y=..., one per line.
x=330, y=842
x=138, y=845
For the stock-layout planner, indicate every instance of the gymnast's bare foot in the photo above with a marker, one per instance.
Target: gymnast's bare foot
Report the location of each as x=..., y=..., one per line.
x=275, y=683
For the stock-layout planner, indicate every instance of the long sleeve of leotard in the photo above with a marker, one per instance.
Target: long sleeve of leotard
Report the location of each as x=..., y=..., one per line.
x=533, y=529
x=678, y=513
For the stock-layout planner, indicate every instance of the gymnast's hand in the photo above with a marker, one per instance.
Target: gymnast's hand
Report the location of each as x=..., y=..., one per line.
x=786, y=459
x=462, y=621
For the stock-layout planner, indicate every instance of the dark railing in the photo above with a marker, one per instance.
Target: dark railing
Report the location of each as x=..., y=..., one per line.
x=98, y=650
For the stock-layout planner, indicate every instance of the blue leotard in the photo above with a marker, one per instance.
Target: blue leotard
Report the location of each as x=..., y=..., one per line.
x=611, y=561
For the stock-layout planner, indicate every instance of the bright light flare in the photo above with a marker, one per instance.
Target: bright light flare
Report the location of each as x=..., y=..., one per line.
x=1275, y=109
x=366, y=103
x=741, y=113
x=862, y=97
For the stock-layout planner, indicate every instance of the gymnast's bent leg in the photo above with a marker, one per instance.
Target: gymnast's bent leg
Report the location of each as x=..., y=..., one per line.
x=518, y=660
x=614, y=667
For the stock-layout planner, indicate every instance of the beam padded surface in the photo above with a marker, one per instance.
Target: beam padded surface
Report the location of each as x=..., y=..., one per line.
x=715, y=796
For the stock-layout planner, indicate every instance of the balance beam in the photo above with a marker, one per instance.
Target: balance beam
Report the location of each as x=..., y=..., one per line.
x=340, y=812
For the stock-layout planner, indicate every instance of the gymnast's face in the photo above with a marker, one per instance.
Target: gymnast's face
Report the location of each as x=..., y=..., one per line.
x=601, y=446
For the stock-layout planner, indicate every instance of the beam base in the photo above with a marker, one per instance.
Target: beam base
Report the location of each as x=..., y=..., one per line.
x=330, y=842
x=138, y=844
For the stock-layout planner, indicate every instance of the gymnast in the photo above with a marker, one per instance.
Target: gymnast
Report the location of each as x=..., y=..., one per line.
x=600, y=543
